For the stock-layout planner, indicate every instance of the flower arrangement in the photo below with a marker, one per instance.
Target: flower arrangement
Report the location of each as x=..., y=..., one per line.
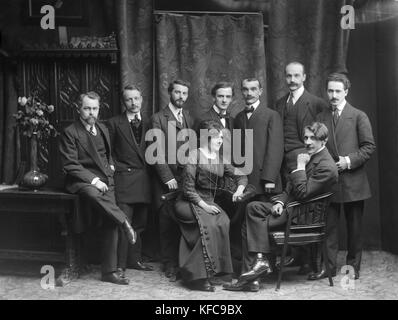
x=33, y=117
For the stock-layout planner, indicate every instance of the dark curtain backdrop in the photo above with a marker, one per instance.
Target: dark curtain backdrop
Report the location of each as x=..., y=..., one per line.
x=387, y=106
x=206, y=49
x=134, y=26
x=307, y=31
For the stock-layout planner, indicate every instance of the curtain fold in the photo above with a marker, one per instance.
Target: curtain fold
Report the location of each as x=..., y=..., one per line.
x=206, y=49
x=307, y=31
x=134, y=24
x=10, y=154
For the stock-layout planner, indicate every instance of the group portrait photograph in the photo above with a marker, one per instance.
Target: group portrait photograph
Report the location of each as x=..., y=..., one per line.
x=196, y=156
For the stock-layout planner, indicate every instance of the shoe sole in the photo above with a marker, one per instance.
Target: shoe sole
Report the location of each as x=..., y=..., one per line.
x=253, y=277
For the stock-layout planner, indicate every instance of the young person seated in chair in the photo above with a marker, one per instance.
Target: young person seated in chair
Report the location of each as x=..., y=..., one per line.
x=316, y=173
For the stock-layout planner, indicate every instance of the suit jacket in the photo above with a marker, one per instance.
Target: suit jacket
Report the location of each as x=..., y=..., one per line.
x=80, y=160
x=320, y=176
x=160, y=120
x=308, y=107
x=132, y=181
x=352, y=137
x=267, y=146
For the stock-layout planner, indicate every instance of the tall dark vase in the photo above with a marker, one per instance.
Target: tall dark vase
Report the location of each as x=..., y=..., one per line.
x=34, y=179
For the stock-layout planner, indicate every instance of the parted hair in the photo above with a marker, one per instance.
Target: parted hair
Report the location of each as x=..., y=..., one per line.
x=222, y=85
x=319, y=130
x=180, y=82
x=91, y=94
x=339, y=77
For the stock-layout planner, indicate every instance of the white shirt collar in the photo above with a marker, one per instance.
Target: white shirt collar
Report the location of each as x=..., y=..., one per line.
x=254, y=105
x=341, y=106
x=296, y=94
x=216, y=109
x=318, y=151
x=131, y=116
x=175, y=110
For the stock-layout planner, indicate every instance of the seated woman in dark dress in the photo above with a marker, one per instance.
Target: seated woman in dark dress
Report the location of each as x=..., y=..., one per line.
x=205, y=245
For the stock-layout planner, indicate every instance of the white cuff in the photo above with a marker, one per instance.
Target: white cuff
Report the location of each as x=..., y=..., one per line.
x=347, y=159
x=278, y=201
x=270, y=185
x=298, y=169
x=95, y=180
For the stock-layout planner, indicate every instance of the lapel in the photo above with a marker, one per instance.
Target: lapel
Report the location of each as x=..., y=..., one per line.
x=313, y=162
x=343, y=121
x=169, y=117
x=127, y=133
x=303, y=105
x=88, y=144
x=214, y=116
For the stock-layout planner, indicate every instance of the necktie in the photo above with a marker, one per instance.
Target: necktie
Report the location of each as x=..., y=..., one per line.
x=222, y=115
x=179, y=116
x=92, y=130
x=335, y=116
x=289, y=105
x=136, y=121
x=249, y=109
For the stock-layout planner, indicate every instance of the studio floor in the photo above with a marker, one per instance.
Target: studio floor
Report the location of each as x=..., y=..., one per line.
x=378, y=281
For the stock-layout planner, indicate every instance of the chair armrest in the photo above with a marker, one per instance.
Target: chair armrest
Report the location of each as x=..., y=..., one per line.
x=169, y=195
x=317, y=198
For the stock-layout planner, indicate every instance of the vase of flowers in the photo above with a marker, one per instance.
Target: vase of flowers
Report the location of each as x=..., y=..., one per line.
x=33, y=121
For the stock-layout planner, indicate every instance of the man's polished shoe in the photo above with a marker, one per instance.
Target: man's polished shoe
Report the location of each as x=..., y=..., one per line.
x=130, y=233
x=201, y=285
x=252, y=286
x=321, y=275
x=260, y=266
x=138, y=265
x=115, y=278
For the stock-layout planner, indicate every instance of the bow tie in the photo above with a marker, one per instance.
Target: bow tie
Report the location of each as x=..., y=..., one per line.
x=222, y=115
x=249, y=110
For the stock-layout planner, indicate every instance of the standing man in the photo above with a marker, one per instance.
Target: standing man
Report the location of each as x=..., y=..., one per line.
x=132, y=181
x=315, y=173
x=267, y=140
x=351, y=144
x=297, y=109
x=86, y=159
x=175, y=118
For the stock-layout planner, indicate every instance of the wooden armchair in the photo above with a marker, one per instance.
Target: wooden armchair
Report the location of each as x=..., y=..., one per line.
x=306, y=225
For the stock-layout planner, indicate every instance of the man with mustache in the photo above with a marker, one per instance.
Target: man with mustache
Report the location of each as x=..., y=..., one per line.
x=351, y=144
x=315, y=173
x=87, y=161
x=297, y=109
x=175, y=118
x=267, y=140
x=132, y=182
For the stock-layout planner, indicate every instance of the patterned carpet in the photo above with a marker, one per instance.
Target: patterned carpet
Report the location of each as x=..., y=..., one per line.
x=379, y=280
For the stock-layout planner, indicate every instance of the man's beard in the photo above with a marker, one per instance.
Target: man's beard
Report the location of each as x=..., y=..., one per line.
x=177, y=103
x=90, y=120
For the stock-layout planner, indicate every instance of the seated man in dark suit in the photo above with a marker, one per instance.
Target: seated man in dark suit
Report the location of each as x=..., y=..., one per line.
x=86, y=159
x=316, y=173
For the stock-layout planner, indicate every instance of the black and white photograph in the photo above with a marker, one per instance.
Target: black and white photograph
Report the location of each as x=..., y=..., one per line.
x=198, y=155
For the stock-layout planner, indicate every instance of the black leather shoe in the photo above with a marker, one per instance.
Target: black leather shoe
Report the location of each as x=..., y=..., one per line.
x=260, y=266
x=130, y=233
x=201, y=285
x=252, y=286
x=115, y=278
x=356, y=274
x=321, y=275
x=141, y=266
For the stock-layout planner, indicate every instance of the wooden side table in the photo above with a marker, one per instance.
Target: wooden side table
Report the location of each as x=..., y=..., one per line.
x=63, y=205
